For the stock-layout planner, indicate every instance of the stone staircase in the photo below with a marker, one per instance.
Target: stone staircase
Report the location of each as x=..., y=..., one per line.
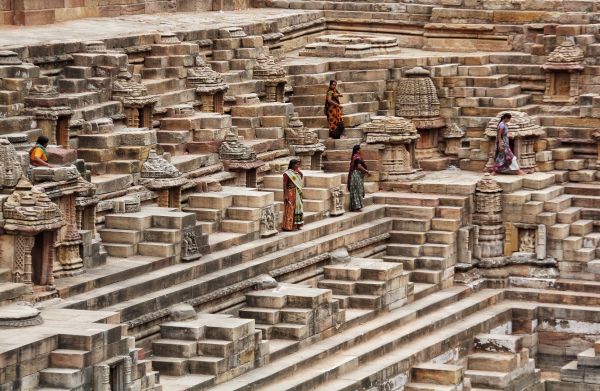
x=292, y=311
x=500, y=362
x=581, y=372
x=424, y=236
x=365, y=283
x=232, y=210
x=152, y=232
x=212, y=346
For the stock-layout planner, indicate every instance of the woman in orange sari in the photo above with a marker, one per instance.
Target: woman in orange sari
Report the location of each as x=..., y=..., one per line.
x=293, y=213
x=333, y=111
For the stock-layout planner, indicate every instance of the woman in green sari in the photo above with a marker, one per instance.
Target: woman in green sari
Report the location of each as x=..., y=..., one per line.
x=356, y=186
x=293, y=213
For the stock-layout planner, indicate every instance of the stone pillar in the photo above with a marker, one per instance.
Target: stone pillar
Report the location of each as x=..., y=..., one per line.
x=489, y=238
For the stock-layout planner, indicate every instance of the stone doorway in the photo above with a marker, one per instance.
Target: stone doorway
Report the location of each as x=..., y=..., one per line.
x=41, y=259
x=116, y=376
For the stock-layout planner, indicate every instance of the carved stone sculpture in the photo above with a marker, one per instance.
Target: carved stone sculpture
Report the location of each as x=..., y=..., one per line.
x=268, y=221
x=233, y=149
x=189, y=245
x=337, y=202
x=489, y=240
x=137, y=103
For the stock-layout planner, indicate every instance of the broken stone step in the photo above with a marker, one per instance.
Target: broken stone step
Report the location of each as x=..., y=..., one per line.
x=61, y=377
x=156, y=249
x=408, y=212
x=408, y=263
x=239, y=226
x=426, y=276
x=405, y=250
x=445, y=224
x=439, y=250
x=494, y=379
x=437, y=373
x=69, y=358
x=433, y=263
x=205, y=214
x=501, y=362
x=120, y=236
x=162, y=235
x=120, y=250
x=172, y=366
x=407, y=237
x=174, y=348
x=428, y=387
x=212, y=200
x=412, y=225
x=441, y=237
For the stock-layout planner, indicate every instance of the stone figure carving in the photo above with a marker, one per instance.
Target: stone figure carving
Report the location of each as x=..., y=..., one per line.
x=267, y=221
x=337, y=201
x=189, y=245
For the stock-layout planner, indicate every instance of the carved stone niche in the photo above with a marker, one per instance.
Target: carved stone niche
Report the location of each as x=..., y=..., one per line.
x=51, y=112
x=563, y=69
x=161, y=176
x=417, y=100
x=304, y=143
x=268, y=221
x=209, y=85
x=274, y=78
x=395, y=138
x=525, y=238
x=239, y=157
x=137, y=104
x=31, y=223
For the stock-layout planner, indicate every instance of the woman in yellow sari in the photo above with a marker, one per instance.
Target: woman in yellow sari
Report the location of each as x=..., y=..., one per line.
x=293, y=213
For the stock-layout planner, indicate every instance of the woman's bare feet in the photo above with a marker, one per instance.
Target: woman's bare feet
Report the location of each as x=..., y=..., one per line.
x=521, y=172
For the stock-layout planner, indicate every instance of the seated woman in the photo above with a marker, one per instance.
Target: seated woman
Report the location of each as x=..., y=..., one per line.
x=38, y=157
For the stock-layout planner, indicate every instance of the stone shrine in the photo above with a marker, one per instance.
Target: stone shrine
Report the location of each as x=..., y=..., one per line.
x=417, y=100
x=149, y=254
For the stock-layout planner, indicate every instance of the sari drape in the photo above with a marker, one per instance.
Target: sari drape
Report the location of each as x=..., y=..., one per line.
x=293, y=211
x=356, y=185
x=334, y=114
